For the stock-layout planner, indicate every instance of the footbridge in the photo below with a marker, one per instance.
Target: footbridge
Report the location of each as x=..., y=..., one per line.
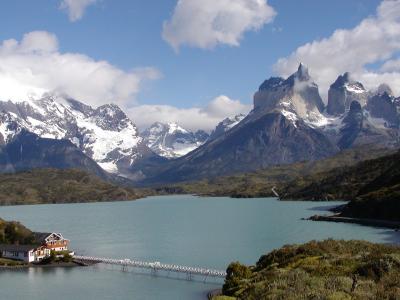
x=154, y=267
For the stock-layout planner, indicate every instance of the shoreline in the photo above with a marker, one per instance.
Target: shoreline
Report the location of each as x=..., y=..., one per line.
x=337, y=218
x=39, y=266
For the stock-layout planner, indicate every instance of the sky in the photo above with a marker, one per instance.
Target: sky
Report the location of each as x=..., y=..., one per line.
x=194, y=62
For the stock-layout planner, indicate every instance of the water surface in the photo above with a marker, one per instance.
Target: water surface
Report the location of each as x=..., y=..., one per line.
x=187, y=230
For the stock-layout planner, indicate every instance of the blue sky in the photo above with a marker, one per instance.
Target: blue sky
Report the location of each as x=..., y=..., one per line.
x=128, y=35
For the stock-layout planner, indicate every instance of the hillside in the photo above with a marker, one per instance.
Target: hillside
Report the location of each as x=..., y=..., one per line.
x=60, y=186
x=318, y=270
x=373, y=186
x=259, y=183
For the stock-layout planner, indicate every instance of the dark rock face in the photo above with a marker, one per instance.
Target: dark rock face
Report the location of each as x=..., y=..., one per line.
x=269, y=140
x=343, y=92
x=383, y=106
x=353, y=124
x=28, y=151
x=358, y=130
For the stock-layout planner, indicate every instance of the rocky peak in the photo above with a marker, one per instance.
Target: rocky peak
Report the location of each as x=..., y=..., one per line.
x=298, y=92
x=111, y=117
x=302, y=73
x=343, y=92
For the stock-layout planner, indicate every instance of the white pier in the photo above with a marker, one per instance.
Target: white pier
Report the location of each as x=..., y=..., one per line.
x=154, y=266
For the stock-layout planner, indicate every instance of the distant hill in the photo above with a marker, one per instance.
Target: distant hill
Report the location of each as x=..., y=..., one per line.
x=60, y=186
x=318, y=270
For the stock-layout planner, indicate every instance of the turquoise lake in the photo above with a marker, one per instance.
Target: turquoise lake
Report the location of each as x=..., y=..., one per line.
x=185, y=230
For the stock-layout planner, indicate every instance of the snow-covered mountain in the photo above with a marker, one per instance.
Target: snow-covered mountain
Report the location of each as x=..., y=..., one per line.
x=105, y=134
x=171, y=140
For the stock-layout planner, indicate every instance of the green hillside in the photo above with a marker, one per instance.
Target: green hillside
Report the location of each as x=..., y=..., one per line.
x=319, y=270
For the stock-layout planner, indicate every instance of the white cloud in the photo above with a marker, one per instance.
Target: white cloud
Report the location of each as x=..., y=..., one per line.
x=76, y=8
x=34, y=65
x=375, y=40
x=207, y=23
x=195, y=118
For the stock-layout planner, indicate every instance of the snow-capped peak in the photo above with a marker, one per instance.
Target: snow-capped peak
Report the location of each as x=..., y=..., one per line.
x=171, y=140
x=105, y=134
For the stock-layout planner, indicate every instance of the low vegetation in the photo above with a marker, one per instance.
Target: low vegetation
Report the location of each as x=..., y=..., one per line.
x=319, y=270
x=43, y=186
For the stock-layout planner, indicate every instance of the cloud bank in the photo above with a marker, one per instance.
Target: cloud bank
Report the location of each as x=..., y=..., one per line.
x=205, y=118
x=376, y=40
x=76, y=8
x=35, y=65
x=208, y=23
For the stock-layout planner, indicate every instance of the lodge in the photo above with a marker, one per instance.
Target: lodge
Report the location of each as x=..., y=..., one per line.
x=45, y=243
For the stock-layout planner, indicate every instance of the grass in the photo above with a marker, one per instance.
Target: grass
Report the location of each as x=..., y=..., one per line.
x=319, y=270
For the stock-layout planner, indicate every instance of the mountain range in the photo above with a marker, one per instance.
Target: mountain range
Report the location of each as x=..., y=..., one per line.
x=289, y=123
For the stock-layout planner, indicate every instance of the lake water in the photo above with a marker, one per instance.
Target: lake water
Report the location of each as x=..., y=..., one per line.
x=186, y=230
